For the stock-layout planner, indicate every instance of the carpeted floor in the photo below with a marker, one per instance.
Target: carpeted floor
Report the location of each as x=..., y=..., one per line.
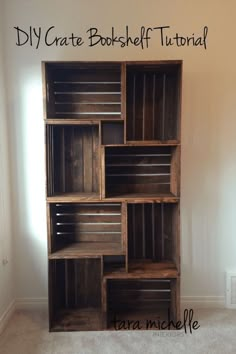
x=27, y=333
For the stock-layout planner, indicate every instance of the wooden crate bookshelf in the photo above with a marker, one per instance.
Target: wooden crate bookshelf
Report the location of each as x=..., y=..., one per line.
x=112, y=134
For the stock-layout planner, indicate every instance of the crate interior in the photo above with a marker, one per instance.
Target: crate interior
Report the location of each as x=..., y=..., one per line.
x=73, y=159
x=152, y=233
x=113, y=264
x=83, y=91
x=139, y=300
x=112, y=133
x=87, y=228
x=75, y=294
x=153, y=102
x=135, y=170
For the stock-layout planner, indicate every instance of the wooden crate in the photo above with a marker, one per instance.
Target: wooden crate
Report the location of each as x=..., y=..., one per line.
x=75, y=294
x=83, y=91
x=148, y=303
x=153, y=102
x=85, y=229
x=73, y=160
x=141, y=171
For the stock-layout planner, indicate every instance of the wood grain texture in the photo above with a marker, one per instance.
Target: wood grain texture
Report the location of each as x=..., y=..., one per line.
x=152, y=102
x=68, y=149
x=112, y=135
x=139, y=269
x=84, y=92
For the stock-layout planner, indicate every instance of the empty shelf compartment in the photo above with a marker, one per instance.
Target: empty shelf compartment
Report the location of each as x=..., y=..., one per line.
x=75, y=294
x=144, y=301
x=112, y=133
x=153, y=234
x=85, y=229
x=73, y=160
x=141, y=171
x=153, y=102
x=83, y=91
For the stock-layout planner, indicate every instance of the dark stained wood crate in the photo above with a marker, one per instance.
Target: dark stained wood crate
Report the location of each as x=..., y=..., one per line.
x=153, y=102
x=73, y=159
x=141, y=301
x=83, y=91
x=139, y=170
x=153, y=232
x=85, y=229
x=75, y=294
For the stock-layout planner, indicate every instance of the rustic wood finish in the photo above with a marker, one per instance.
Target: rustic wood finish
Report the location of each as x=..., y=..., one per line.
x=112, y=134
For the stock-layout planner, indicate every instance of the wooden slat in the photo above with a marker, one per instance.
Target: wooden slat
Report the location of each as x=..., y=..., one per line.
x=103, y=178
x=91, y=227
x=138, y=178
x=98, y=237
x=127, y=296
x=67, y=121
x=88, y=116
x=87, y=87
x=87, y=98
x=87, y=162
x=139, y=285
x=77, y=108
x=176, y=236
x=148, y=109
x=109, y=209
x=91, y=73
x=104, y=296
x=134, y=160
x=171, y=106
x=95, y=162
x=135, y=191
x=124, y=236
x=74, y=197
x=87, y=249
x=80, y=218
x=123, y=98
x=175, y=171
x=137, y=169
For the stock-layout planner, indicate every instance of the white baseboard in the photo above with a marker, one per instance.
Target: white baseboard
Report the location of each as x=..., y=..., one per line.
x=186, y=302
x=30, y=303
x=203, y=302
x=5, y=317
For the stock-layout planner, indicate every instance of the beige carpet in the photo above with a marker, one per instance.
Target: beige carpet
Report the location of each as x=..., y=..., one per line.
x=27, y=333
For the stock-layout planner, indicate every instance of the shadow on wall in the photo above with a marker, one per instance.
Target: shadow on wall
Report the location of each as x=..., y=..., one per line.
x=28, y=166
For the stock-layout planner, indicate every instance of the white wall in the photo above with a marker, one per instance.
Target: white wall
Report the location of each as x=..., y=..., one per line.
x=208, y=126
x=6, y=291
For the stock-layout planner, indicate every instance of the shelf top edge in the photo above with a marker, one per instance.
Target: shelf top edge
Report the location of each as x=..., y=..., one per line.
x=84, y=255
x=70, y=121
x=129, y=200
x=145, y=143
x=129, y=62
x=146, y=274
